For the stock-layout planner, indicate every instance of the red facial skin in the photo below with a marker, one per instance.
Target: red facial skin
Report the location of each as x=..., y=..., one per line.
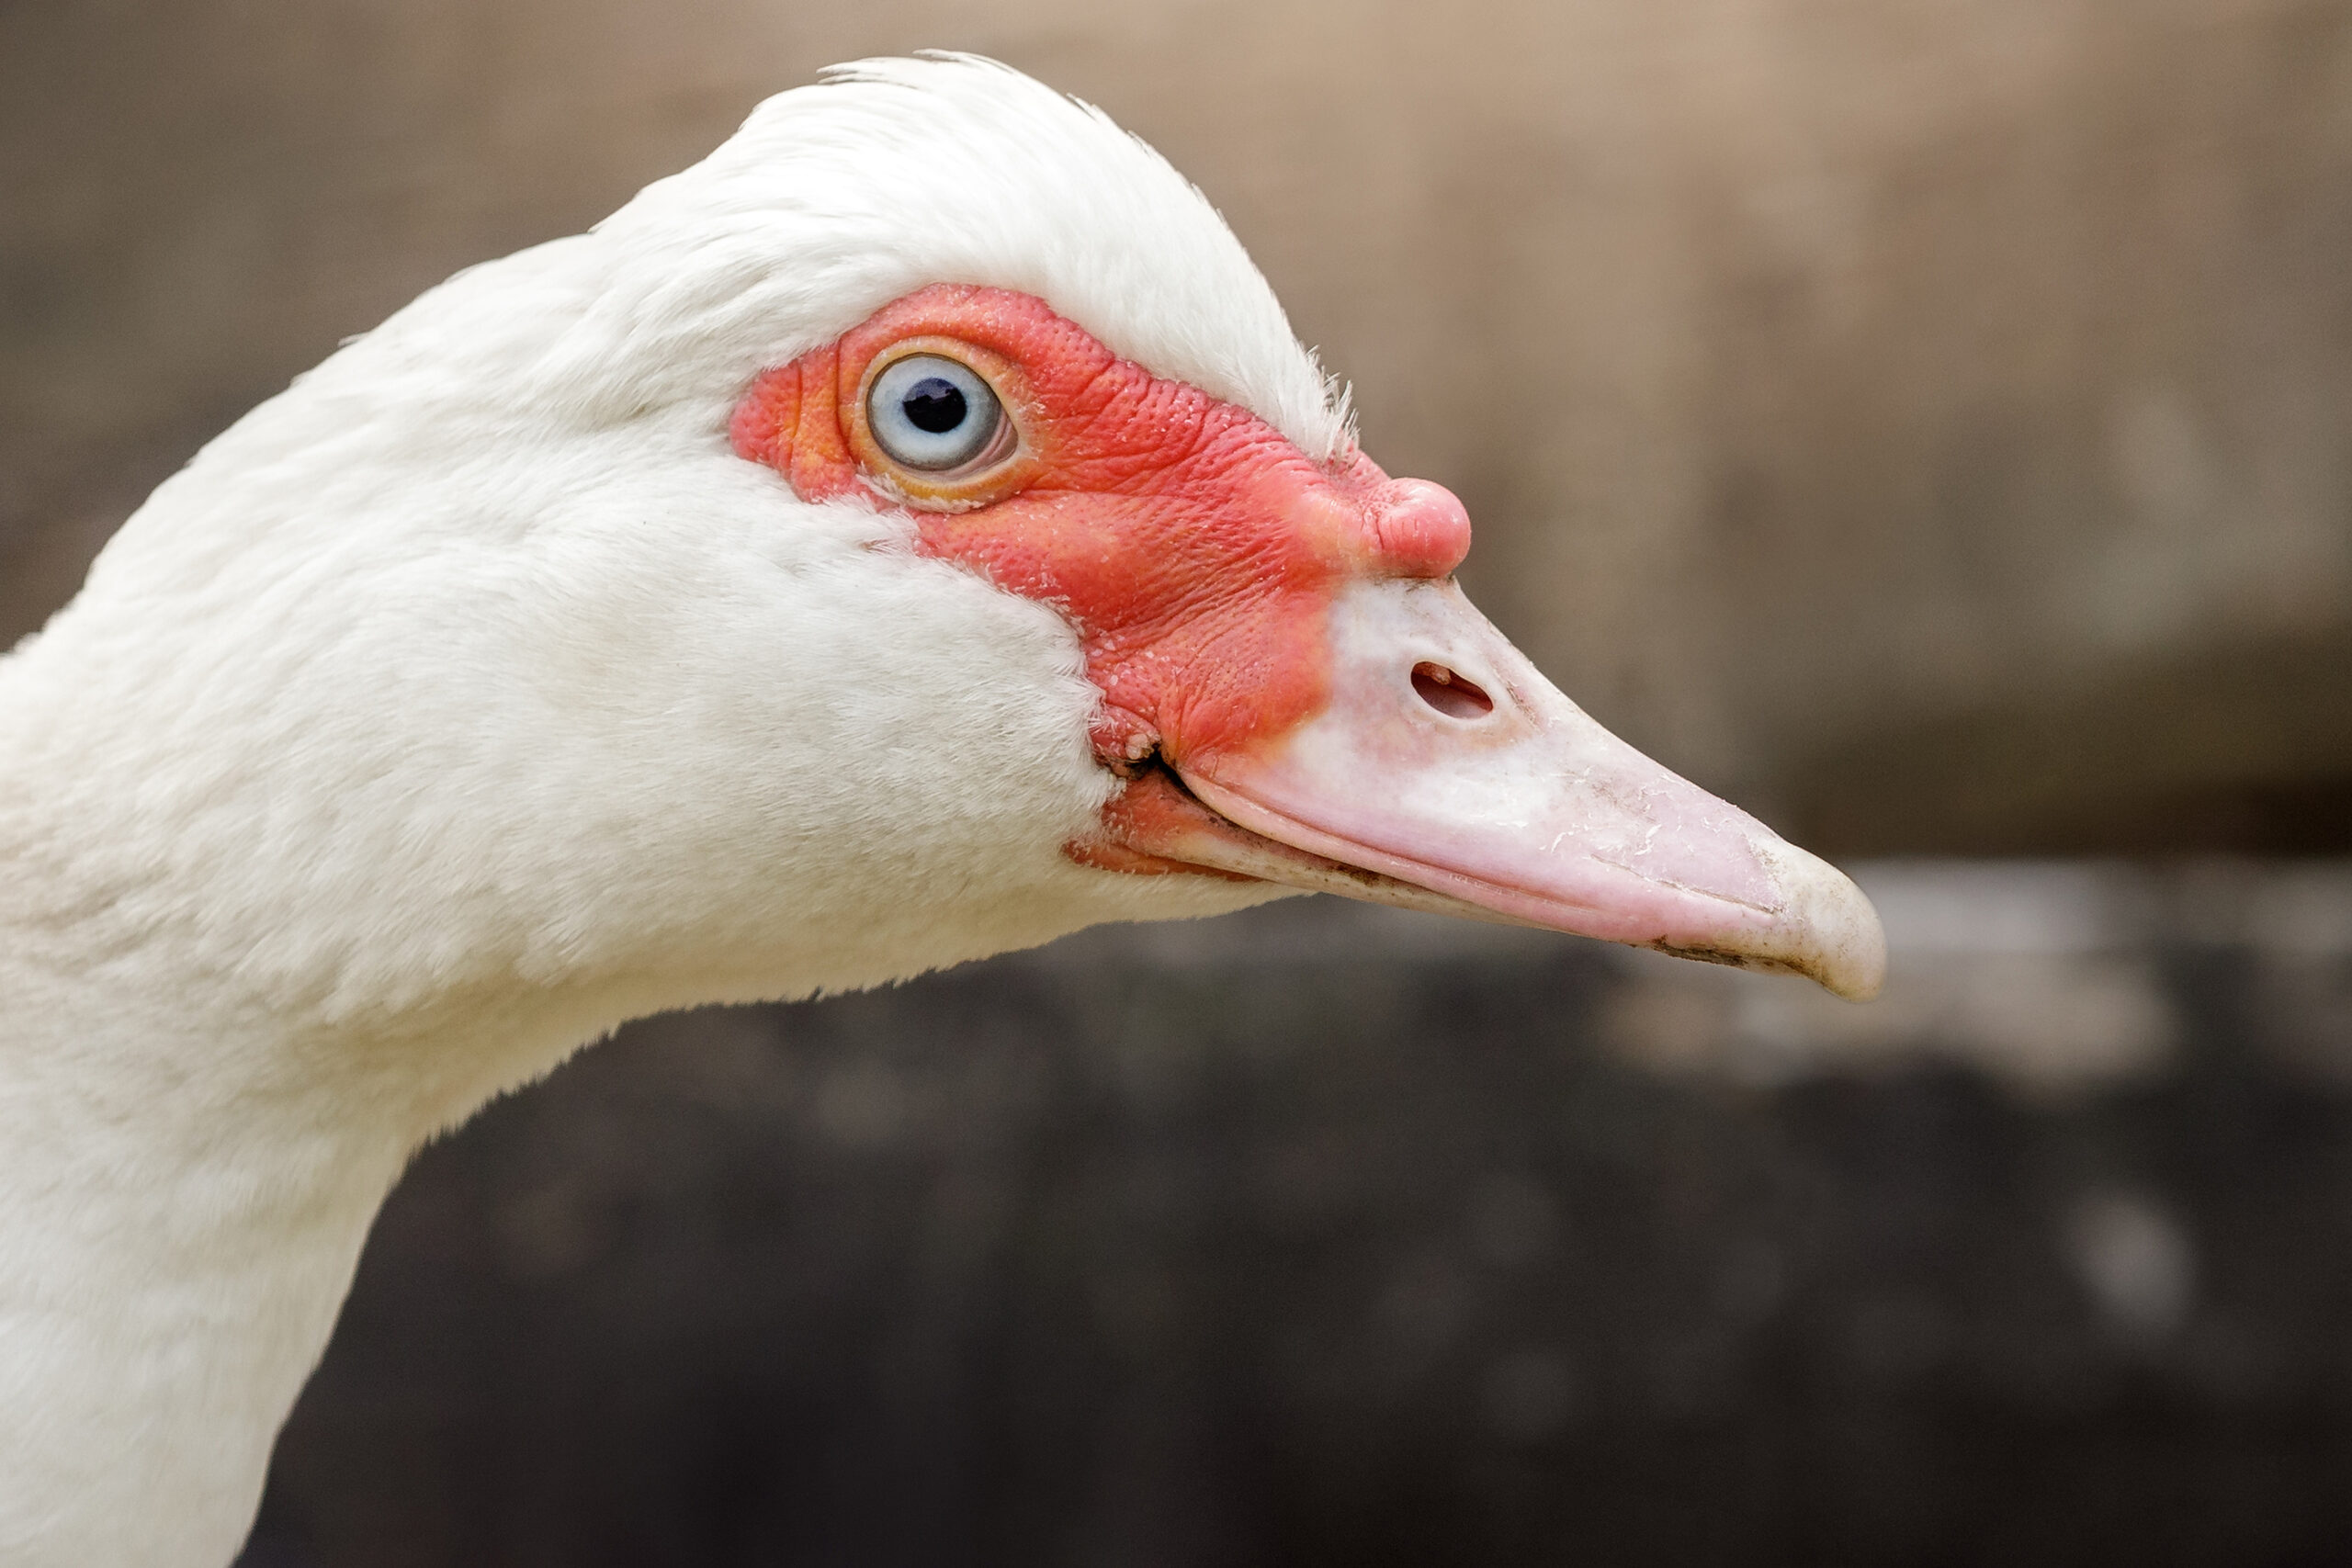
x=1195, y=547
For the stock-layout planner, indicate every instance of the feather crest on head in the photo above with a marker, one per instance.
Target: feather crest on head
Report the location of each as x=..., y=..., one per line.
x=951, y=168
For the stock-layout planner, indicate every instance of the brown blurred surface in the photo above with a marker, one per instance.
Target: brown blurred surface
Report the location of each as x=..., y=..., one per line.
x=1922, y=419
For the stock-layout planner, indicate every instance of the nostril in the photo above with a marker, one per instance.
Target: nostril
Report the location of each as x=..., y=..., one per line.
x=1449, y=693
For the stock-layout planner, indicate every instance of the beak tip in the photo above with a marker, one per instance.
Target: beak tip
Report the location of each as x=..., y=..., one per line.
x=1833, y=934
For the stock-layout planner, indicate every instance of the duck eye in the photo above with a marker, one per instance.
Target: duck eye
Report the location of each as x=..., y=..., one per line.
x=933, y=414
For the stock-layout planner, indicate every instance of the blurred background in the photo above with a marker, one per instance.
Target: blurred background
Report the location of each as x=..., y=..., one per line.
x=1924, y=422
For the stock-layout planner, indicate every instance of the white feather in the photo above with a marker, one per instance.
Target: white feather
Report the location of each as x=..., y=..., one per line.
x=471, y=698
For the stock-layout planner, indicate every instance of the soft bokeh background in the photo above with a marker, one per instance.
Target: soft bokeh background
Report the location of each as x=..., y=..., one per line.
x=1924, y=421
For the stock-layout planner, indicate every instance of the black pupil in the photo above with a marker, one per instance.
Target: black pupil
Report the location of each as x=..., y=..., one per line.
x=935, y=405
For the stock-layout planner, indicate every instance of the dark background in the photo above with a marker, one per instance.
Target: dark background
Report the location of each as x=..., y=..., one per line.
x=1329, y=1236
x=1923, y=421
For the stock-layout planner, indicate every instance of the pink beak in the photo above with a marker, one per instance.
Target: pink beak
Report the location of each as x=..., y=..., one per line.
x=1447, y=764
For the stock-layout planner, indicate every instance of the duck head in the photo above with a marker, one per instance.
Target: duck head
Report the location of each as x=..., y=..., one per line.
x=912, y=532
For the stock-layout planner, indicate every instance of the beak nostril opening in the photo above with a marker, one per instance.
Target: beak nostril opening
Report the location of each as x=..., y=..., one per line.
x=1449, y=693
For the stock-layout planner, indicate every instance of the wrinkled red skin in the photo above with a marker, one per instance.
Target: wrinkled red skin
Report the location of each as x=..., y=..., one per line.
x=1195, y=547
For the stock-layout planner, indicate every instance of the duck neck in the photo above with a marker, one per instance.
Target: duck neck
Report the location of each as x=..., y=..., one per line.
x=187, y=1189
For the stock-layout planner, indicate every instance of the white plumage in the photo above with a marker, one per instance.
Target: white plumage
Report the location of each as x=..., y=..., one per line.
x=472, y=697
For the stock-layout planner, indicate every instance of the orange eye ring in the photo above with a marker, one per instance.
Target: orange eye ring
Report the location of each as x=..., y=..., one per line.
x=1009, y=463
